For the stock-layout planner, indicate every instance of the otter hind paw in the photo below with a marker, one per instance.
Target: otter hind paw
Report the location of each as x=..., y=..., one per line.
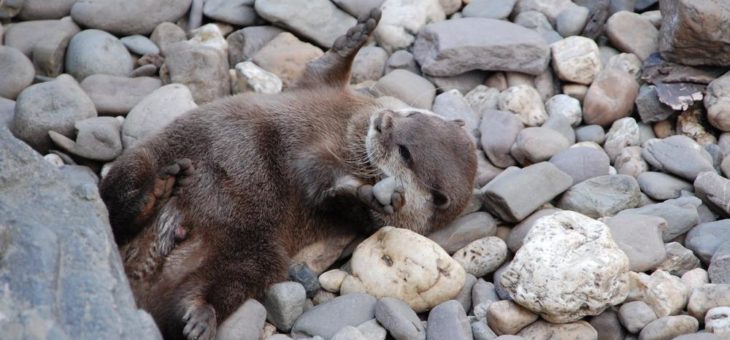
x=200, y=323
x=356, y=36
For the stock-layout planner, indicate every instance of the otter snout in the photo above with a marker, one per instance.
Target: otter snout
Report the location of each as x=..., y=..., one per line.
x=384, y=121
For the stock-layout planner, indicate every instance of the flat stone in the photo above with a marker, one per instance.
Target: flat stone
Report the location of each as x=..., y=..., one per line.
x=507, y=317
x=41, y=9
x=636, y=315
x=203, y=69
x=399, y=319
x=358, y=8
x=706, y=297
x=681, y=215
x=504, y=196
x=661, y=186
x=348, y=333
x=452, y=47
x=140, y=45
x=538, y=22
x=640, y=237
x=623, y=133
x=489, y=9
x=525, y=102
x=561, y=246
x=237, y=12
x=98, y=138
x=54, y=105
x=244, y=43
x=27, y=34
x=155, y=111
x=602, y=196
x=326, y=319
x=632, y=33
x=17, y=71
x=401, y=59
x=650, y=109
x=682, y=40
x=712, y=188
x=678, y=155
x=115, y=95
x=448, y=321
x=464, y=230
x=287, y=57
x=590, y=133
x=284, y=303
x=610, y=97
x=680, y=260
x=719, y=269
x=582, y=163
x=320, y=20
x=608, y=326
x=129, y=17
x=97, y=52
x=451, y=105
x=409, y=87
x=576, y=59
x=537, y=144
x=499, y=130
x=304, y=275
x=542, y=330
x=245, y=323
x=669, y=327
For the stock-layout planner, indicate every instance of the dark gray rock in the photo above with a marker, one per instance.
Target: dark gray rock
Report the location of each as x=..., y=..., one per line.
x=678, y=155
x=640, y=237
x=481, y=331
x=326, y=319
x=499, y=130
x=55, y=105
x=203, y=69
x=464, y=230
x=304, y=275
x=602, y=196
x=244, y=43
x=66, y=250
x=245, y=323
x=284, y=303
x=650, y=108
x=590, y=133
x=607, y=325
x=17, y=71
x=497, y=278
x=114, y=95
x=97, y=52
x=505, y=195
x=635, y=315
x=128, y=17
x=582, y=163
x=237, y=12
x=399, y=319
x=599, y=11
x=660, y=186
x=448, y=321
x=452, y=47
x=680, y=41
x=706, y=238
x=407, y=86
x=719, y=269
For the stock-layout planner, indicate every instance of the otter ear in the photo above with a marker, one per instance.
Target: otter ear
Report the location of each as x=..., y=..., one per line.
x=459, y=122
x=440, y=200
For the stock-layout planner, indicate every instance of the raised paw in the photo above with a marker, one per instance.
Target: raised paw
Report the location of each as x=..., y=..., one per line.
x=200, y=323
x=348, y=44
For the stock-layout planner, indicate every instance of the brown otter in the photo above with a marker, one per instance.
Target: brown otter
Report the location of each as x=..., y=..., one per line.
x=259, y=177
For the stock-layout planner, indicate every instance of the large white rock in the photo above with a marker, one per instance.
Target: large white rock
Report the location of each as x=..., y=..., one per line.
x=402, y=264
x=568, y=267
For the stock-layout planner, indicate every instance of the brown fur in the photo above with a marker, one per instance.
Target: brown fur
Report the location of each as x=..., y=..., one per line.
x=275, y=173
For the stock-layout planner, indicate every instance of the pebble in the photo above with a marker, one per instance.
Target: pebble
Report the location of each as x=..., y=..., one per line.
x=610, y=97
x=504, y=197
x=452, y=105
x=499, y=130
x=40, y=9
x=402, y=19
x=555, y=250
x=516, y=237
x=26, y=35
x=678, y=155
x=483, y=294
x=572, y=21
x=623, y=133
x=464, y=296
x=399, y=319
x=650, y=109
x=582, y=163
x=358, y=8
x=576, y=59
x=252, y=78
x=284, y=303
x=237, y=12
x=525, y=102
x=54, y=105
x=632, y=33
x=407, y=86
x=538, y=22
x=629, y=162
x=507, y=317
x=668, y=327
x=636, y=315
x=590, y=133
x=640, y=237
x=97, y=52
x=542, y=330
x=602, y=196
x=372, y=330
x=566, y=106
x=369, y=64
x=348, y=333
x=129, y=17
x=116, y=95
x=706, y=238
x=706, y=297
x=287, y=57
x=320, y=20
x=481, y=331
x=245, y=323
x=327, y=319
x=537, y=144
x=491, y=9
x=244, y=43
x=98, y=138
x=717, y=321
x=660, y=186
x=401, y=59
x=155, y=111
x=17, y=71
x=166, y=34
x=203, y=69
x=383, y=265
x=608, y=326
x=448, y=48
x=719, y=269
x=464, y=230
x=717, y=102
x=332, y=279
x=139, y=44
x=680, y=260
x=561, y=124
x=482, y=256
x=713, y=189
x=663, y=292
x=448, y=321
x=681, y=215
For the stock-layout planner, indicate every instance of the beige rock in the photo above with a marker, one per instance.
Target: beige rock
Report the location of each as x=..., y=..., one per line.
x=707, y=297
x=630, y=32
x=679, y=261
x=627, y=62
x=402, y=19
x=400, y=263
x=663, y=292
x=668, y=327
x=507, y=317
x=717, y=321
x=568, y=267
x=610, y=97
x=482, y=256
x=576, y=59
x=251, y=77
x=210, y=35
x=717, y=102
x=543, y=330
x=287, y=57
x=525, y=102
x=577, y=91
x=331, y=280
x=695, y=278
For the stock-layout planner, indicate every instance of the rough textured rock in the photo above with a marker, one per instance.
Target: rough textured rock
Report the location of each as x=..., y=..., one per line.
x=519, y=231
x=669, y=327
x=83, y=293
x=629, y=162
x=326, y=319
x=576, y=59
x=286, y=56
x=663, y=292
x=320, y=20
x=623, y=133
x=542, y=330
x=464, y=230
x=482, y=256
x=693, y=32
x=640, y=237
x=650, y=108
x=245, y=323
x=717, y=321
x=504, y=195
x=155, y=111
x=250, y=77
x=448, y=321
x=55, y=105
x=402, y=19
x=452, y=105
x=706, y=297
x=525, y=102
x=602, y=196
x=384, y=265
x=566, y=106
x=128, y=17
x=713, y=188
x=608, y=326
x=567, y=245
x=203, y=69
x=678, y=155
x=719, y=269
x=452, y=47
x=93, y=51
x=630, y=32
x=717, y=102
x=611, y=96
x=407, y=86
x=17, y=72
x=507, y=317
x=114, y=95
x=680, y=260
x=582, y=163
x=399, y=319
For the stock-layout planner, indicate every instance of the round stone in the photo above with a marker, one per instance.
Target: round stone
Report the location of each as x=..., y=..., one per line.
x=93, y=51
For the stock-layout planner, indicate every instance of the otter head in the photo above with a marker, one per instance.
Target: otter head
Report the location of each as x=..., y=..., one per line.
x=433, y=159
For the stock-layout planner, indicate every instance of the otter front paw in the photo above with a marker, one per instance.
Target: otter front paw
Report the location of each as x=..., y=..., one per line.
x=385, y=197
x=200, y=323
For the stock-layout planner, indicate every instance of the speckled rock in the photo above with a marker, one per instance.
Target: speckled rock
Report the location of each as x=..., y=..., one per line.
x=482, y=256
x=576, y=59
x=402, y=19
x=663, y=292
x=623, y=133
x=525, y=102
x=680, y=260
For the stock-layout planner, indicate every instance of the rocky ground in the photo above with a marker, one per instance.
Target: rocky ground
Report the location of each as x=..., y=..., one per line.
x=601, y=208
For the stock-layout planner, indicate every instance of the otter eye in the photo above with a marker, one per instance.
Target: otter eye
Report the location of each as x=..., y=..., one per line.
x=404, y=153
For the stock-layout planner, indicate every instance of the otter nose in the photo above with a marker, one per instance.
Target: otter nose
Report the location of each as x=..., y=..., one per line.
x=383, y=121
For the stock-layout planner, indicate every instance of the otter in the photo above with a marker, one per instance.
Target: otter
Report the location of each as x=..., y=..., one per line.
x=208, y=212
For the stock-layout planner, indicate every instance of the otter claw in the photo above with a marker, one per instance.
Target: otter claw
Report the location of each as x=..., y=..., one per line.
x=200, y=323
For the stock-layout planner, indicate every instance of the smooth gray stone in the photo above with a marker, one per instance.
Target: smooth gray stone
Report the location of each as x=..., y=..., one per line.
x=128, y=17
x=245, y=323
x=481, y=331
x=448, y=321
x=640, y=237
x=602, y=196
x=492, y=9
x=635, y=315
x=140, y=44
x=284, y=303
x=607, y=325
x=234, y=12
x=590, y=133
x=326, y=319
x=499, y=130
x=399, y=319
x=706, y=238
x=660, y=186
x=582, y=163
x=678, y=155
x=97, y=52
x=464, y=296
x=244, y=43
x=719, y=269
x=464, y=230
x=407, y=86
x=681, y=215
x=17, y=72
